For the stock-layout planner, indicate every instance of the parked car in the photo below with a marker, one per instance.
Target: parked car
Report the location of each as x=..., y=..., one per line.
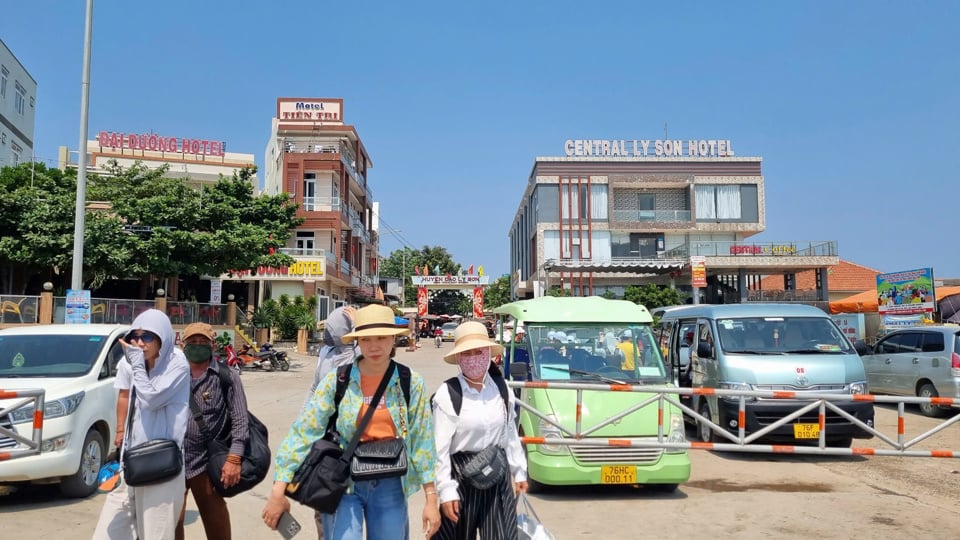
x=922, y=361
x=75, y=366
x=448, y=329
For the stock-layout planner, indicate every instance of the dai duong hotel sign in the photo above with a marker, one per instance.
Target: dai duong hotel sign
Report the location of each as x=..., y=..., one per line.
x=152, y=142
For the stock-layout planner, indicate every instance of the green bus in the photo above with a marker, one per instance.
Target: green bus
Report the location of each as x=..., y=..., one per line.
x=593, y=340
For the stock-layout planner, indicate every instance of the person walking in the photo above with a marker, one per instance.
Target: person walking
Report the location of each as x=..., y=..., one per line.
x=333, y=354
x=379, y=506
x=160, y=387
x=485, y=417
x=219, y=411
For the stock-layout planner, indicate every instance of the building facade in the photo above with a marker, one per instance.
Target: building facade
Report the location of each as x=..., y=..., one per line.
x=613, y=213
x=320, y=161
x=18, y=93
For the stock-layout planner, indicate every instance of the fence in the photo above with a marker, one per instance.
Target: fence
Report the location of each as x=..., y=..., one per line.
x=19, y=308
x=741, y=442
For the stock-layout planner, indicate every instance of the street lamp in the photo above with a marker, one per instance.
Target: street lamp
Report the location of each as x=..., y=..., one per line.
x=76, y=281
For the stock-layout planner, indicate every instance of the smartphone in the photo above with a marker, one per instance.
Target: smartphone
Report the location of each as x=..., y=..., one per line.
x=288, y=526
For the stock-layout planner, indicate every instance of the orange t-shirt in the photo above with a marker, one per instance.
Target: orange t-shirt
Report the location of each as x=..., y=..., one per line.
x=381, y=425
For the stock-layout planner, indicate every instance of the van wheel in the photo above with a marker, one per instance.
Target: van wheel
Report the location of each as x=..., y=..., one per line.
x=704, y=432
x=927, y=390
x=84, y=482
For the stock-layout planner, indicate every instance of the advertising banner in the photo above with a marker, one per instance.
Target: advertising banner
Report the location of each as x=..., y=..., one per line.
x=906, y=293
x=216, y=290
x=889, y=322
x=422, y=301
x=78, y=307
x=478, y=302
x=698, y=271
x=851, y=324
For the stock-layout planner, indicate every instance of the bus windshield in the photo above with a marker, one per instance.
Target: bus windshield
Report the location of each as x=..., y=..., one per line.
x=781, y=335
x=618, y=353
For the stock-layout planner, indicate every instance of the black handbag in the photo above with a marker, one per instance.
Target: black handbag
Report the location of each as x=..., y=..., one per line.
x=151, y=462
x=323, y=477
x=255, y=461
x=485, y=468
x=383, y=458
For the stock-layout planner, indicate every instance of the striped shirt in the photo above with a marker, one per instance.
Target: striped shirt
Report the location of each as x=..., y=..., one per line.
x=215, y=410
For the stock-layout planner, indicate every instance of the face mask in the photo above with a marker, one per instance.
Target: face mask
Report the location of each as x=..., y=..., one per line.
x=197, y=354
x=475, y=366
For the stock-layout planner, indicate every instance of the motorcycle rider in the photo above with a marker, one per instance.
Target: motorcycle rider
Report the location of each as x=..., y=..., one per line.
x=438, y=336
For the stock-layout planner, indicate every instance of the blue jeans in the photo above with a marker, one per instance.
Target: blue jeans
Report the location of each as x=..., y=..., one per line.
x=381, y=503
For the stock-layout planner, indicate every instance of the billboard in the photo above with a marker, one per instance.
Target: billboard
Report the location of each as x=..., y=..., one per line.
x=908, y=292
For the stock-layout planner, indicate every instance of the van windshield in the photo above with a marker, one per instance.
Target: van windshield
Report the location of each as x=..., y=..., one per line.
x=624, y=353
x=781, y=335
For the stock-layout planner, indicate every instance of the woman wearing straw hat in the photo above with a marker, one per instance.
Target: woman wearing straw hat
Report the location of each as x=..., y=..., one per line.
x=380, y=505
x=483, y=421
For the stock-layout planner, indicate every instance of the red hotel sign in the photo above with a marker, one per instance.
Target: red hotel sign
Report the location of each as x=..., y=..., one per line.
x=158, y=143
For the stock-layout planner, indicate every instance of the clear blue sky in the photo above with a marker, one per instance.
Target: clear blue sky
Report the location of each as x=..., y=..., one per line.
x=854, y=106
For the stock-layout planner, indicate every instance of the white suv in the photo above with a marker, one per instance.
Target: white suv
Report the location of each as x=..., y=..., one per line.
x=75, y=365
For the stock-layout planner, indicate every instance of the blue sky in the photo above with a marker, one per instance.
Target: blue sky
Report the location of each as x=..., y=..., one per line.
x=853, y=105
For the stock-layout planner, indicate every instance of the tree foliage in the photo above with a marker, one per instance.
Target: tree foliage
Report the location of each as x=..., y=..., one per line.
x=402, y=263
x=497, y=294
x=652, y=295
x=139, y=223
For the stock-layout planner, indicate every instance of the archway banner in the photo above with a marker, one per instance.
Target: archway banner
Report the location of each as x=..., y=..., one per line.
x=478, y=302
x=422, y=301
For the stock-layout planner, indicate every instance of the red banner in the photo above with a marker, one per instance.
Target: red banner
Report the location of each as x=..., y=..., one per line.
x=422, y=301
x=478, y=302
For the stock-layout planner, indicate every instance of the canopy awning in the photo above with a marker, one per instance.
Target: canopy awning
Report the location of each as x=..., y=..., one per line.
x=866, y=302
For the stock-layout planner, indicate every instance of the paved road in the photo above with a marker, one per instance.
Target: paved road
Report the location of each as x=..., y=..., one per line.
x=729, y=495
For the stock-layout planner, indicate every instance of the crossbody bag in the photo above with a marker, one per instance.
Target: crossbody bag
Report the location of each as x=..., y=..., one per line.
x=152, y=462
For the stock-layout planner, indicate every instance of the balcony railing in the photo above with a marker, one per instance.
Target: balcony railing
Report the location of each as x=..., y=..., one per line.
x=660, y=216
x=802, y=248
x=305, y=252
x=321, y=204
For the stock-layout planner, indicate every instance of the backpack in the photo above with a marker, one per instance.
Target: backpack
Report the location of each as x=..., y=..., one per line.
x=343, y=377
x=456, y=394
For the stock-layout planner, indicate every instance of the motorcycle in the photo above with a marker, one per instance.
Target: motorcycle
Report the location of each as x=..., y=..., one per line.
x=279, y=358
x=438, y=340
x=267, y=358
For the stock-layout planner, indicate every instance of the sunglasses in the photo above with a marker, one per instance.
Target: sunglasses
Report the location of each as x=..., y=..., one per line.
x=145, y=337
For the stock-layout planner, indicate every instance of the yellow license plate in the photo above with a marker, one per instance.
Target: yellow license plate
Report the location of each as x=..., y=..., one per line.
x=806, y=431
x=618, y=474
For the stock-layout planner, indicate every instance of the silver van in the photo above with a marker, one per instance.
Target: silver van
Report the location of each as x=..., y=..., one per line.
x=765, y=346
x=922, y=361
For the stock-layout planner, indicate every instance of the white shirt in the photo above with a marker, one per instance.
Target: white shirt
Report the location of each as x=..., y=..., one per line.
x=482, y=423
x=124, y=375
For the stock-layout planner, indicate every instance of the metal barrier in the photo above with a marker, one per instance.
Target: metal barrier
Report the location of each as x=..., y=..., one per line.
x=742, y=442
x=9, y=434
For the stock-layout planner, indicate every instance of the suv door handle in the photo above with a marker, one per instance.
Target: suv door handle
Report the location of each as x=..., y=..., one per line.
x=887, y=361
x=916, y=360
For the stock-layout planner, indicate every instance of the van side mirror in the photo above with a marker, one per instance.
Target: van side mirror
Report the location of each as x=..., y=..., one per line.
x=704, y=350
x=518, y=371
x=862, y=348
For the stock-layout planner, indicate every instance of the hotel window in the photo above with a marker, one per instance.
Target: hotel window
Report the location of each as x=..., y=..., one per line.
x=305, y=243
x=4, y=73
x=732, y=203
x=309, y=191
x=20, y=99
x=16, y=154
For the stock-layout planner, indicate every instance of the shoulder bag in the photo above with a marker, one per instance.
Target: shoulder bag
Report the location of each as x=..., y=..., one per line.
x=255, y=461
x=323, y=477
x=151, y=462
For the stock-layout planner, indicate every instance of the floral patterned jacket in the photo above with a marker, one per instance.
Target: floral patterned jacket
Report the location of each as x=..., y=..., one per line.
x=415, y=426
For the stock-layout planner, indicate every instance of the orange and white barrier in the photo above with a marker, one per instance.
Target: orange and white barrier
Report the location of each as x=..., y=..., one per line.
x=26, y=447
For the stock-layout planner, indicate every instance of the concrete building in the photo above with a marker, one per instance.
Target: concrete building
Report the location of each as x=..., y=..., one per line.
x=18, y=92
x=613, y=213
x=322, y=164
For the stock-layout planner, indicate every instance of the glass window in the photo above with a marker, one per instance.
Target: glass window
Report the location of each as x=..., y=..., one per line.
x=718, y=202
x=762, y=335
x=41, y=355
x=932, y=342
x=4, y=73
x=20, y=99
x=546, y=203
x=598, y=202
x=899, y=343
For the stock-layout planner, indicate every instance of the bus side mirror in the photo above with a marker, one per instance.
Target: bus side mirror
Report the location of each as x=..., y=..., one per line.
x=704, y=350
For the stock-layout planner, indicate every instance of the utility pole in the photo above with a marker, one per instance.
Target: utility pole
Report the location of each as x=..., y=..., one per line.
x=403, y=280
x=76, y=281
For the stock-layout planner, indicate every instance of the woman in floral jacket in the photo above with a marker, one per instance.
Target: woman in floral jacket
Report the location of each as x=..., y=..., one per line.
x=382, y=504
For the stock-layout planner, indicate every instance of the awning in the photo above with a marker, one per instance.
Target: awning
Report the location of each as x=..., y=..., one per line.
x=624, y=266
x=866, y=302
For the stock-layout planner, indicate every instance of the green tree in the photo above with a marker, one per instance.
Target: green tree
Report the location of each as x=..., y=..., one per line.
x=402, y=262
x=497, y=294
x=652, y=296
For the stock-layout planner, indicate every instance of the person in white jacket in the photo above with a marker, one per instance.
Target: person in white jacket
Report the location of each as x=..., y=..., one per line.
x=160, y=379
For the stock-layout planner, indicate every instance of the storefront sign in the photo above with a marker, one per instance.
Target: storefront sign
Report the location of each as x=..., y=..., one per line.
x=647, y=148
x=478, y=302
x=851, y=324
x=310, y=110
x=770, y=249
x=698, y=271
x=77, y=307
x=216, y=288
x=297, y=270
x=157, y=143
x=906, y=293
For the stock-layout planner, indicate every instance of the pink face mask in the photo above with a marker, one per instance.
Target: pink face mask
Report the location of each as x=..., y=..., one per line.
x=474, y=364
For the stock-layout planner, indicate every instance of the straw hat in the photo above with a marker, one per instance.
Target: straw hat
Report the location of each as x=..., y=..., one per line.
x=373, y=320
x=471, y=335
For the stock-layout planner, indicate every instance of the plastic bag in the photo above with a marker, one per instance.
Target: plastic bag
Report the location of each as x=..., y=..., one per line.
x=529, y=524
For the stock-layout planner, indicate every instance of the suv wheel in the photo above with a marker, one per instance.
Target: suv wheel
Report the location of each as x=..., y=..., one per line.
x=84, y=482
x=927, y=390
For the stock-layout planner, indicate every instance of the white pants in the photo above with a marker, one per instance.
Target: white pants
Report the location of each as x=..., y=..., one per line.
x=142, y=513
